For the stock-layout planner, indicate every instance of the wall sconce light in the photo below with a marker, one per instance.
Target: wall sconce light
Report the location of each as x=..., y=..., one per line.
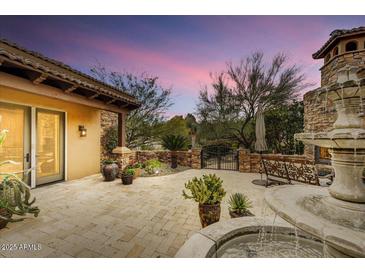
x=82, y=130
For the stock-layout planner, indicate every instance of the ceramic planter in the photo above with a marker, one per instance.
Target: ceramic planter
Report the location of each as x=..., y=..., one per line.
x=127, y=179
x=235, y=214
x=110, y=172
x=173, y=160
x=137, y=172
x=209, y=214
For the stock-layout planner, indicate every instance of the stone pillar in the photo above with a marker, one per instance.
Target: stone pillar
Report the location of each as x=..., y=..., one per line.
x=124, y=157
x=244, y=160
x=196, y=161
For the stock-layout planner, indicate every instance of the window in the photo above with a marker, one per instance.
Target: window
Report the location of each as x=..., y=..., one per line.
x=335, y=51
x=351, y=46
x=322, y=155
x=327, y=58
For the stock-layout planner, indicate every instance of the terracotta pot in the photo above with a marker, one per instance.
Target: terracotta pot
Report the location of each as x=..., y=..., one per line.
x=137, y=172
x=110, y=172
x=127, y=179
x=235, y=214
x=209, y=214
x=173, y=160
x=4, y=212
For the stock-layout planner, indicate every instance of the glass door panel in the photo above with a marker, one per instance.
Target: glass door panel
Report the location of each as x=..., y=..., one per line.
x=50, y=153
x=16, y=147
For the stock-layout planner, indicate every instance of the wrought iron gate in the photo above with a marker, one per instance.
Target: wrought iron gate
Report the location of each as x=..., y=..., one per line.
x=219, y=157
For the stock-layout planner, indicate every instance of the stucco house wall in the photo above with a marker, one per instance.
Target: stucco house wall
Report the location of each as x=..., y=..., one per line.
x=83, y=153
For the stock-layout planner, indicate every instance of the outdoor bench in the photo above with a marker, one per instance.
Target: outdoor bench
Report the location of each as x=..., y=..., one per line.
x=286, y=172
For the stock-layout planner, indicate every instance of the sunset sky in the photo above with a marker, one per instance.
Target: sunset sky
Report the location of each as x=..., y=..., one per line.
x=180, y=50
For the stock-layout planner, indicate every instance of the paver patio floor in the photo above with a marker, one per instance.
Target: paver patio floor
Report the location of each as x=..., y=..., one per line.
x=92, y=218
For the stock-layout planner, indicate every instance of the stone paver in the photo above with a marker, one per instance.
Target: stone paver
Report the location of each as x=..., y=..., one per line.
x=92, y=218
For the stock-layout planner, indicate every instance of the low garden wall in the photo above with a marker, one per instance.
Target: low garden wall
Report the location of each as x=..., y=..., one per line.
x=250, y=162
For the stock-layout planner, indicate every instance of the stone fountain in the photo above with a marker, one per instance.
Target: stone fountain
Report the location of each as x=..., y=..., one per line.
x=336, y=215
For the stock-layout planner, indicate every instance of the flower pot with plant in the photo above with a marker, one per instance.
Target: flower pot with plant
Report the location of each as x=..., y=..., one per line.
x=14, y=195
x=239, y=205
x=208, y=192
x=174, y=143
x=127, y=176
x=109, y=170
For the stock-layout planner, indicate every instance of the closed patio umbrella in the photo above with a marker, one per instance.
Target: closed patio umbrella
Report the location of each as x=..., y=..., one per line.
x=260, y=143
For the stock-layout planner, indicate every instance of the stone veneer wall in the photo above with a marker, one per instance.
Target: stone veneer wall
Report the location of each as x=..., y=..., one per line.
x=329, y=70
x=108, y=119
x=183, y=157
x=317, y=117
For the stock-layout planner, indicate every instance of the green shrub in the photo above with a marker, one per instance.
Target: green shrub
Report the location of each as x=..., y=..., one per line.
x=110, y=139
x=151, y=166
x=206, y=190
x=138, y=165
x=129, y=171
x=174, y=142
x=108, y=162
x=239, y=203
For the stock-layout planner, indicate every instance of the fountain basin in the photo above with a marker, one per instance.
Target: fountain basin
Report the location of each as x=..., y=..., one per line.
x=249, y=237
x=339, y=224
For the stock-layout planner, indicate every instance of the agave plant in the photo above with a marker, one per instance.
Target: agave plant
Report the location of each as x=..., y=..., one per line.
x=174, y=143
x=239, y=204
x=14, y=194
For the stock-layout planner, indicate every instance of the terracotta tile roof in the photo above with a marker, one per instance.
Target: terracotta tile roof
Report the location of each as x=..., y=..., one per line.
x=56, y=68
x=336, y=34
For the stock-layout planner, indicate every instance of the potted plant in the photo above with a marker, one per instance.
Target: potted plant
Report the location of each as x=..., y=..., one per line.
x=208, y=192
x=127, y=176
x=174, y=143
x=109, y=170
x=14, y=195
x=239, y=205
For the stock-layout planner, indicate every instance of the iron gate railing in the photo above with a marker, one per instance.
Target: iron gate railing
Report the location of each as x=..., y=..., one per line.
x=219, y=157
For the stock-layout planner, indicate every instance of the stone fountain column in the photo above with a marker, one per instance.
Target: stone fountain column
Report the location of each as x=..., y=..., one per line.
x=349, y=161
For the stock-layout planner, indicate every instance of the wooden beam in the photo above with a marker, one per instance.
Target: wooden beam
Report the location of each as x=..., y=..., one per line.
x=22, y=84
x=70, y=89
x=93, y=96
x=39, y=79
x=111, y=101
x=121, y=129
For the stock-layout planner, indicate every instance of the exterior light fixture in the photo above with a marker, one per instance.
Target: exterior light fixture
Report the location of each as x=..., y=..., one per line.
x=82, y=130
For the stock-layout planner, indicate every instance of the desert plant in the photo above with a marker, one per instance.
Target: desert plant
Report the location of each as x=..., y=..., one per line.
x=174, y=142
x=14, y=194
x=151, y=166
x=206, y=190
x=239, y=203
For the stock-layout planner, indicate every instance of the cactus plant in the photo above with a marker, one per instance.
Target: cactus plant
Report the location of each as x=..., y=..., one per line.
x=208, y=192
x=14, y=194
